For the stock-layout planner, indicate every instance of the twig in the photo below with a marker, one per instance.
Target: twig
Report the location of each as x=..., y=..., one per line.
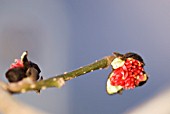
x=57, y=81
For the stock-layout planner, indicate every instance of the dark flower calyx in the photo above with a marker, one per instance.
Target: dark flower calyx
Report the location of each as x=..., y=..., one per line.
x=134, y=56
x=19, y=69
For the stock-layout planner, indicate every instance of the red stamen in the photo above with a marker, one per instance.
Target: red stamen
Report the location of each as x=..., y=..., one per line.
x=18, y=63
x=129, y=75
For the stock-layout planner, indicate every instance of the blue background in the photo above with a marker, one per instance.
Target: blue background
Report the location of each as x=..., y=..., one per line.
x=64, y=35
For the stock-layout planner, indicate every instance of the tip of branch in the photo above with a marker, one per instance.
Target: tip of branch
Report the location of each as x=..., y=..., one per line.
x=110, y=59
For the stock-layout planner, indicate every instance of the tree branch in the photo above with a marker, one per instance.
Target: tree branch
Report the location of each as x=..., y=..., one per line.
x=56, y=81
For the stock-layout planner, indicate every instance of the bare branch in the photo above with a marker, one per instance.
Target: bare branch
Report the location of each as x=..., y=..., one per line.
x=57, y=81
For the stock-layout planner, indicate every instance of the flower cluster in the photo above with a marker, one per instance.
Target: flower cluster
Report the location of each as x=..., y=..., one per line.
x=128, y=73
x=22, y=68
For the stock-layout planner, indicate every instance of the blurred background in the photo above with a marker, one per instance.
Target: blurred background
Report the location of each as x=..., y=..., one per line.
x=62, y=35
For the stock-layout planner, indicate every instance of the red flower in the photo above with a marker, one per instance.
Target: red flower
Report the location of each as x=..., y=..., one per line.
x=22, y=69
x=18, y=63
x=129, y=75
x=126, y=74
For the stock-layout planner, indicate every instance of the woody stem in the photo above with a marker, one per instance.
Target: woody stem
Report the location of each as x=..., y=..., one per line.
x=59, y=80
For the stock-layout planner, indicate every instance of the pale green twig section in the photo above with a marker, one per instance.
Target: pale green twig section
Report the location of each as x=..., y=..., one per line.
x=59, y=81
